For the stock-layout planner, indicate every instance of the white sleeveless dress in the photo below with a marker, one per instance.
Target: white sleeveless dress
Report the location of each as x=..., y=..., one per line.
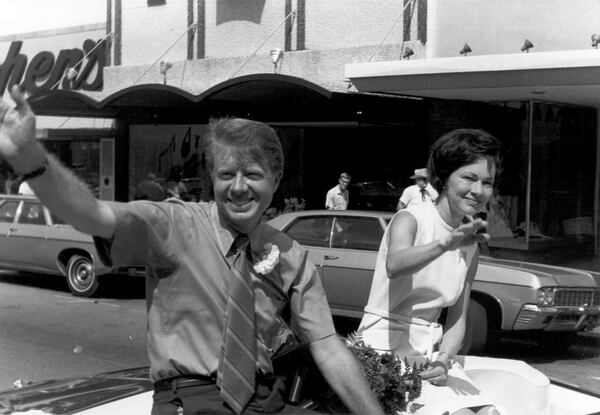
x=401, y=313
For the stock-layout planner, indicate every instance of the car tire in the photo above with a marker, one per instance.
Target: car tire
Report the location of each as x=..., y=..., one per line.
x=476, y=333
x=81, y=276
x=556, y=341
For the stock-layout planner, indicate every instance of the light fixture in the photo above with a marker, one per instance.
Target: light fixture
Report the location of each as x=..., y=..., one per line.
x=595, y=40
x=164, y=68
x=526, y=46
x=276, y=56
x=408, y=52
x=71, y=74
x=465, y=49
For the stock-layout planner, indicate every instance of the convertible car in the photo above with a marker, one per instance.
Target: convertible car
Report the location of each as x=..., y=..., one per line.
x=552, y=304
x=129, y=392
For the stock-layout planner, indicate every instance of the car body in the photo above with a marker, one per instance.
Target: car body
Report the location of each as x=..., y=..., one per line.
x=33, y=239
x=129, y=392
x=554, y=303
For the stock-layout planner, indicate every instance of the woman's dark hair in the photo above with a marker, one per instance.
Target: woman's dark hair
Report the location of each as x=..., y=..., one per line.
x=248, y=140
x=459, y=148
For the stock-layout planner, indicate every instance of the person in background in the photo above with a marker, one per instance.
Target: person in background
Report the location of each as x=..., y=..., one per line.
x=420, y=192
x=219, y=281
x=427, y=262
x=338, y=196
x=150, y=189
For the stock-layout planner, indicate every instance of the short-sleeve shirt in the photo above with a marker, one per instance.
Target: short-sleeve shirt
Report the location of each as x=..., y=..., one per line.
x=184, y=247
x=412, y=195
x=337, y=199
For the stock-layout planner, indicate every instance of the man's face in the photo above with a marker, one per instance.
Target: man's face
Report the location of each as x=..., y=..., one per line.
x=422, y=183
x=343, y=184
x=243, y=190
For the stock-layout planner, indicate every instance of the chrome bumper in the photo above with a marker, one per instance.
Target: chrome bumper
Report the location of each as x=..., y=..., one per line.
x=533, y=317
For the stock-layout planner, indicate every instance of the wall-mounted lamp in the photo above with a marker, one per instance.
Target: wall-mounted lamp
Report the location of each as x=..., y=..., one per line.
x=465, y=50
x=276, y=56
x=408, y=52
x=164, y=68
x=595, y=40
x=526, y=46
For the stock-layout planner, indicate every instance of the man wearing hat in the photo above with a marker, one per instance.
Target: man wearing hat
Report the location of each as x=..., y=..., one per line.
x=420, y=192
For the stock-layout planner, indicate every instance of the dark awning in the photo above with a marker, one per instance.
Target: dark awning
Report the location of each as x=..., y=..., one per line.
x=264, y=97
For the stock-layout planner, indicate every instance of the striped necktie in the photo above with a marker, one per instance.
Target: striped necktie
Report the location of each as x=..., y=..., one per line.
x=237, y=367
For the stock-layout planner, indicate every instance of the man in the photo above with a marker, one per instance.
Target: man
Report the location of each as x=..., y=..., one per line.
x=203, y=296
x=420, y=192
x=338, y=196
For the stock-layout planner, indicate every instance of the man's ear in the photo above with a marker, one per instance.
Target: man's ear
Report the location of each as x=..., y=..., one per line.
x=277, y=179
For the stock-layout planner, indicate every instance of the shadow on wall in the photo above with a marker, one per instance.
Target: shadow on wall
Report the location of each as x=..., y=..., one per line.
x=230, y=10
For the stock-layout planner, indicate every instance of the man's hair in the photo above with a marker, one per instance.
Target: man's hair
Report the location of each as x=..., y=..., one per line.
x=249, y=140
x=345, y=176
x=459, y=148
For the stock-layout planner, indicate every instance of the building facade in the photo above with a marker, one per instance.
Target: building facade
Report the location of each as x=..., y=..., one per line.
x=360, y=86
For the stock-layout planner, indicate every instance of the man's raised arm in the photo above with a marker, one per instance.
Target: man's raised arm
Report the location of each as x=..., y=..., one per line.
x=61, y=191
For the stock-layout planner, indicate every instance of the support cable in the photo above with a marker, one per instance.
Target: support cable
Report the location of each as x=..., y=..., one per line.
x=193, y=26
x=410, y=2
x=292, y=13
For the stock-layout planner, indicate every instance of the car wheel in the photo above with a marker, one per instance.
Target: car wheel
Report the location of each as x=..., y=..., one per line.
x=476, y=333
x=81, y=276
x=557, y=341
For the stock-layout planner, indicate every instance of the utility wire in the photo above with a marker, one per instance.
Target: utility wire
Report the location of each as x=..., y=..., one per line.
x=192, y=26
x=109, y=34
x=292, y=13
x=390, y=31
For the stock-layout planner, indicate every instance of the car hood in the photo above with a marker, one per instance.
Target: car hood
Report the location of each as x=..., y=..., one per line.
x=532, y=274
x=76, y=394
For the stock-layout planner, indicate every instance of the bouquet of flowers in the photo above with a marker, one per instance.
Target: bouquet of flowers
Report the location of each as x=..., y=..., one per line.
x=393, y=381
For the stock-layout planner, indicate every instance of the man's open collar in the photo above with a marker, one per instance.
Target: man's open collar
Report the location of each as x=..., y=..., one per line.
x=227, y=236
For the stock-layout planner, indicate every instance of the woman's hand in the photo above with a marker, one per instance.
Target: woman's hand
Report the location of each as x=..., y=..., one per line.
x=436, y=373
x=466, y=234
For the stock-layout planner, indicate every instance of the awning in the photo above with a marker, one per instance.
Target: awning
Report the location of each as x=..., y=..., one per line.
x=264, y=97
x=567, y=76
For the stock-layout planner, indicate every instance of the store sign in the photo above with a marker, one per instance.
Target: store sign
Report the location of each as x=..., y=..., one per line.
x=72, y=69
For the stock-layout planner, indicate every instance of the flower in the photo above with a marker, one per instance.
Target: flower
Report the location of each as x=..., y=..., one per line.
x=269, y=259
x=393, y=381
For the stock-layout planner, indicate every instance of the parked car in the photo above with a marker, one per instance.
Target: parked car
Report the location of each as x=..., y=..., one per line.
x=32, y=239
x=374, y=195
x=553, y=303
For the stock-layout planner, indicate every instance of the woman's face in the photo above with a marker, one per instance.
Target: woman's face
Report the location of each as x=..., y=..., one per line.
x=470, y=187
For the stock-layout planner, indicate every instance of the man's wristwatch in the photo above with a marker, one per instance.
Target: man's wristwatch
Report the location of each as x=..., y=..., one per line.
x=36, y=173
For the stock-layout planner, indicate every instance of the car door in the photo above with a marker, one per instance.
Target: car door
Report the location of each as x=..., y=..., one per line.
x=30, y=239
x=314, y=234
x=8, y=216
x=349, y=263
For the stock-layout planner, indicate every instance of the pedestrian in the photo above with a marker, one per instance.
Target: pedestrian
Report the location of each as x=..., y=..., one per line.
x=219, y=280
x=427, y=262
x=150, y=189
x=338, y=196
x=420, y=192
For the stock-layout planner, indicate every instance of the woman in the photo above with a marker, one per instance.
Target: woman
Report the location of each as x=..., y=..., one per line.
x=427, y=262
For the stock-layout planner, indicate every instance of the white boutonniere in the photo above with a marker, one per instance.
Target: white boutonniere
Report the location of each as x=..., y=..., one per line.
x=269, y=259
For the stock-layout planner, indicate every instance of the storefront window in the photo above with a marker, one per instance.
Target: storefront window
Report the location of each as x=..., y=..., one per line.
x=563, y=156
x=82, y=156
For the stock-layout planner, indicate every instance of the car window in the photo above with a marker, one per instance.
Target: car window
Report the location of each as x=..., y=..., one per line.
x=32, y=213
x=311, y=231
x=357, y=233
x=56, y=220
x=8, y=211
